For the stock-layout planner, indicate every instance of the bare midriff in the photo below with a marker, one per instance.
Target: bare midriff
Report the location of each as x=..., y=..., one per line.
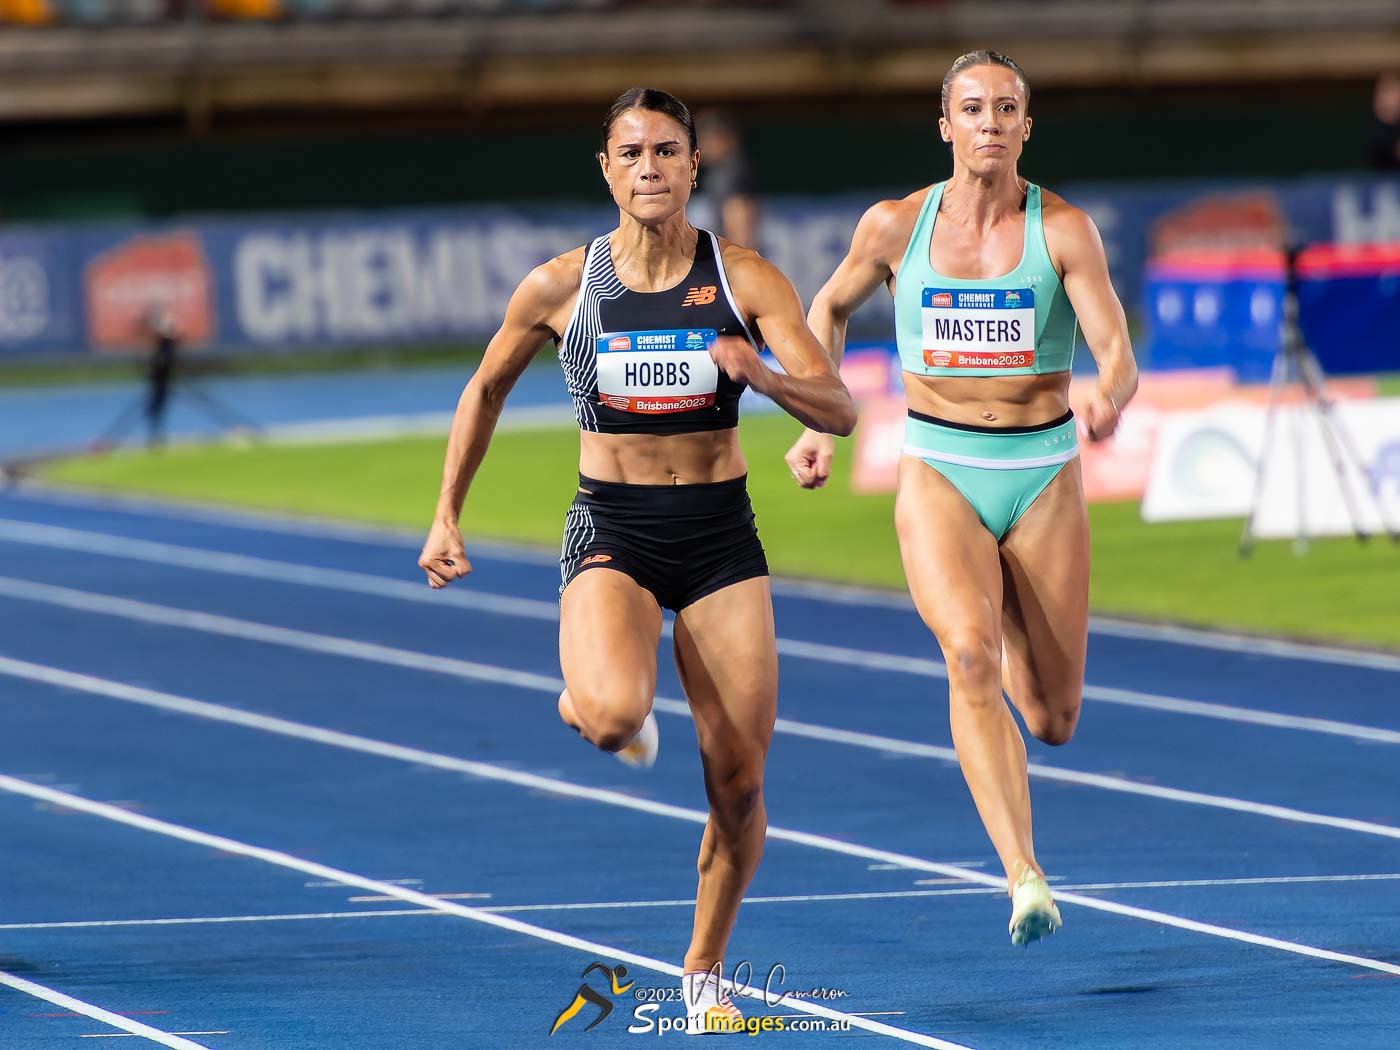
x=662, y=459
x=990, y=401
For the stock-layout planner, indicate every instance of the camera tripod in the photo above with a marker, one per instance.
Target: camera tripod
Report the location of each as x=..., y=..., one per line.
x=1295, y=362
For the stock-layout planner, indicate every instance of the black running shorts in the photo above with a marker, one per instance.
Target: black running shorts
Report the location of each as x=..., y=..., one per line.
x=680, y=542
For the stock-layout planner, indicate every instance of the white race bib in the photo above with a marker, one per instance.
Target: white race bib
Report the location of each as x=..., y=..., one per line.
x=979, y=329
x=658, y=371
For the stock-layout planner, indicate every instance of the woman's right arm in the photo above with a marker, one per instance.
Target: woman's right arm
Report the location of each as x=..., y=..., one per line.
x=532, y=318
x=878, y=241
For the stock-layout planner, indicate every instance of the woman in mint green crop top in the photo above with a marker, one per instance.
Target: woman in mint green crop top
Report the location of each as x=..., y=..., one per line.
x=992, y=278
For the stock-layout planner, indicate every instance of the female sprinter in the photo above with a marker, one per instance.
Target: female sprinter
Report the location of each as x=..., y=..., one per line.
x=658, y=326
x=988, y=275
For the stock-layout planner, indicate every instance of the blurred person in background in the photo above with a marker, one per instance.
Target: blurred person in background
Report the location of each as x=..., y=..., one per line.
x=1384, y=146
x=727, y=191
x=662, y=517
x=988, y=275
x=164, y=333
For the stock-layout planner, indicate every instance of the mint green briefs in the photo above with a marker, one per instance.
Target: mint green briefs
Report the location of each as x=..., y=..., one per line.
x=999, y=471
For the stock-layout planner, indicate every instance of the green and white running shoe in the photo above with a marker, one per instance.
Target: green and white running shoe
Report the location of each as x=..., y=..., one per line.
x=1033, y=911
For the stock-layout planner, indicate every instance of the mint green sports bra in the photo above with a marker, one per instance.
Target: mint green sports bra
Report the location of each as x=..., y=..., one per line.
x=1018, y=324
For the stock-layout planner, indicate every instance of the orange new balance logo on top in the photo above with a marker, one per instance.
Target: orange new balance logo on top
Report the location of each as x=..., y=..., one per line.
x=700, y=296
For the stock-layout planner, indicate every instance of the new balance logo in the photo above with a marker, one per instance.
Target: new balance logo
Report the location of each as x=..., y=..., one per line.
x=702, y=296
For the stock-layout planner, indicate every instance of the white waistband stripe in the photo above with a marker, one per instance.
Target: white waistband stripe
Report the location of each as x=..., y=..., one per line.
x=991, y=464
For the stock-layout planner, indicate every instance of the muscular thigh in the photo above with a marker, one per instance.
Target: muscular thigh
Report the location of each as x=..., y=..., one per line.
x=1045, y=605
x=609, y=626
x=727, y=657
x=950, y=559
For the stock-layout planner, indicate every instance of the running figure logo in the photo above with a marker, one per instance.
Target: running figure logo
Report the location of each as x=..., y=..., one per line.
x=702, y=296
x=587, y=994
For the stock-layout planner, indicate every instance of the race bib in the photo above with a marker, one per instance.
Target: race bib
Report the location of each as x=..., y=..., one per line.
x=661, y=371
x=985, y=328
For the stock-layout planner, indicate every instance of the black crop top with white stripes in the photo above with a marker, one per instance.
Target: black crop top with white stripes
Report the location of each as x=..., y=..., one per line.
x=638, y=362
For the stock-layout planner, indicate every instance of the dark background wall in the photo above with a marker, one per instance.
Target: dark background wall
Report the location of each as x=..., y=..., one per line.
x=154, y=170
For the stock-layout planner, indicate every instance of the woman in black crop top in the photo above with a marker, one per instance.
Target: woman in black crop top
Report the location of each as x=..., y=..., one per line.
x=658, y=327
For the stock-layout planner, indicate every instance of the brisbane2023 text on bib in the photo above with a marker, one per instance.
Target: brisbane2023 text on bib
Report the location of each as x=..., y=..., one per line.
x=981, y=328
x=668, y=370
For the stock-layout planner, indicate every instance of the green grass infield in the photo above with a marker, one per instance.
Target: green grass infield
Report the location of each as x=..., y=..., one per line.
x=1185, y=572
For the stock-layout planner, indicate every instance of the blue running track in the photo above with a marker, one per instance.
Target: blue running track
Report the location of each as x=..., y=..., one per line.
x=262, y=788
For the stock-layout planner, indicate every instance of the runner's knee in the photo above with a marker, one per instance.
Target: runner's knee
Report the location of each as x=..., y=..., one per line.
x=1054, y=727
x=614, y=732
x=609, y=719
x=1051, y=714
x=974, y=664
x=735, y=792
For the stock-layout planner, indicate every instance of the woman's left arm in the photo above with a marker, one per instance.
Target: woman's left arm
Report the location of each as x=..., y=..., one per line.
x=1079, y=251
x=810, y=391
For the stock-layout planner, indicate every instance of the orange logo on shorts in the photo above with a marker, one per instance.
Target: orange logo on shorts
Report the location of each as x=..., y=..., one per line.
x=703, y=296
x=595, y=559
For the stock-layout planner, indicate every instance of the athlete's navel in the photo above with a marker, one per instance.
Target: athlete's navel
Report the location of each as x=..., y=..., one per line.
x=990, y=417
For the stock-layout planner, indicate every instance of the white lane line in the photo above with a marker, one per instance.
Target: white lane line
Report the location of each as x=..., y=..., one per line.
x=423, y=900
x=373, y=899
x=208, y=623
x=1116, y=627
x=1232, y=713
x=1268, y=880
x=228, y=516
x=123, y=1035
x=336, y=885
x=1251, y=645
x=846, y=594
x=913, y=665
x=802, y=898
x=805, y=898
x=165, y=616
x=251, y=567
x=96, y=1013
x=1040, y=771
x=568, y=789
x=215, y=920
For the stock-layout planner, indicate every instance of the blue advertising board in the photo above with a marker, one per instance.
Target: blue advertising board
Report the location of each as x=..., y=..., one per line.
x=402, y=276
x=39, y=300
